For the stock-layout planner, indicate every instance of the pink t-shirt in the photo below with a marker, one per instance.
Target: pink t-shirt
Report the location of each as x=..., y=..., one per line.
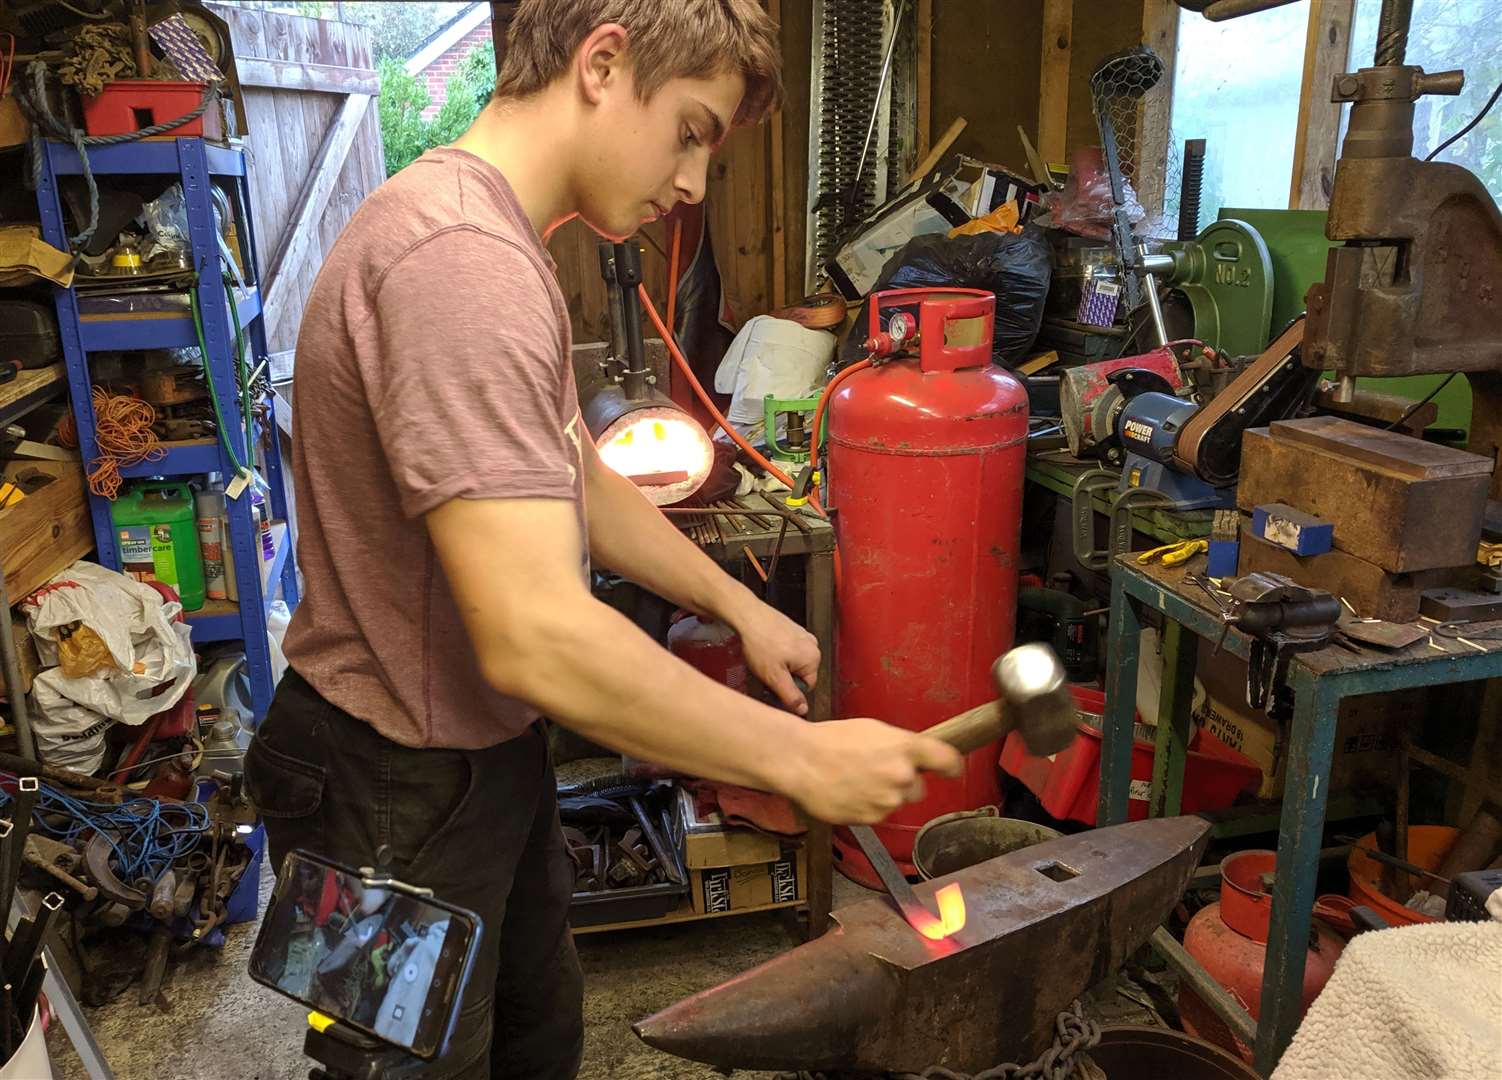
x=432, y=364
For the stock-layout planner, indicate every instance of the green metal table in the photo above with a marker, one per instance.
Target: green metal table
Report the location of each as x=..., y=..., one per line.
x=1319, y=680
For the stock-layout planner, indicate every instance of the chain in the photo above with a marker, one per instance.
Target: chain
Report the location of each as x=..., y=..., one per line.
x=1065, y=1059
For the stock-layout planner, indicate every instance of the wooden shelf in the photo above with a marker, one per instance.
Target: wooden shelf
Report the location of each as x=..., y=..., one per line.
x=28, y=390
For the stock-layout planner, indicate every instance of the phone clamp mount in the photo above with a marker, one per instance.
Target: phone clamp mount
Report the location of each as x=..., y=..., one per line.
x=343, y=1052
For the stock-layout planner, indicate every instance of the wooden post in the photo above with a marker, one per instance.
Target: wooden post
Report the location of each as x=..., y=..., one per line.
x=1327, y=49
x=924, y=28
x=1053, y=85
x=779, y=196
x=1160, y=31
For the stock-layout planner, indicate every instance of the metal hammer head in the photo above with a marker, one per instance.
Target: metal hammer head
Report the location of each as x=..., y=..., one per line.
x=1035, y=697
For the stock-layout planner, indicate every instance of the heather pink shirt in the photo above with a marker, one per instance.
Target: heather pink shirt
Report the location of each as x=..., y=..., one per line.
x=432, y=364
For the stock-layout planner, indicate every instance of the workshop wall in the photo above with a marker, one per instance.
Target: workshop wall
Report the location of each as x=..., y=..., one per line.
x=987, y=61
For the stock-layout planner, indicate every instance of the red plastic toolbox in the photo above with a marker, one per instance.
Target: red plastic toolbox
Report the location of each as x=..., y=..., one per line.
x=1068, y=783
x=128, y=105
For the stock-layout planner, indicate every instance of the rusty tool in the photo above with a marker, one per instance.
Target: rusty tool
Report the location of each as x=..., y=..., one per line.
x=1035, y=700
x=1042, y=924
x=59, y=859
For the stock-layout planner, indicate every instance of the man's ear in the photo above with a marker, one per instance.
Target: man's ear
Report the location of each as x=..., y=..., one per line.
x=600, y=60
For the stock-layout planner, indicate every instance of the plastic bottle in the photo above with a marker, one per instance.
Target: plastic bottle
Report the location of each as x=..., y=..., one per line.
x=263, y=526
x=157, y=538
x=209, y=505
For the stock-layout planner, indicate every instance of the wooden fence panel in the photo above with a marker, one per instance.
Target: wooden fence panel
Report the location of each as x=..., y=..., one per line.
x=314, y=143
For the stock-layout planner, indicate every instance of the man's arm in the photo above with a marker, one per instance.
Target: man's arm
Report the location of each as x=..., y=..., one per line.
x=629, y=535
x=539, y=635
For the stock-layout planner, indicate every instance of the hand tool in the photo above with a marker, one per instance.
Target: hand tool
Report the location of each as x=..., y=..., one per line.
x=1174, y=554
x=872, y=995
x=1035, y=700
x=58, y=859
x=1393, y=860
x=656, y=843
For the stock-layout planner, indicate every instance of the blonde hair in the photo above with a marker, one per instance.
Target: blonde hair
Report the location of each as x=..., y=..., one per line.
x=668, y=39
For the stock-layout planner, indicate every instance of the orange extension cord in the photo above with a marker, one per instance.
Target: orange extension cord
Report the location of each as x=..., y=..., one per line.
x=122, y=429
x=719, y=417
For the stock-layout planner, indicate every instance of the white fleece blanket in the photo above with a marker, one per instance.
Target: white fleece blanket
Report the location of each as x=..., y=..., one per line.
x=1409, y=1003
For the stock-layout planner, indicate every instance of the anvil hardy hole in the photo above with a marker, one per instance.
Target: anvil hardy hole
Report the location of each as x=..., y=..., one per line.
x=1057, y=871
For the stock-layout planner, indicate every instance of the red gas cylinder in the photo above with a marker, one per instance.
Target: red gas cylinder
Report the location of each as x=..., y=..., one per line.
x=711, y=648
x=925, y=464
x=1230, y=940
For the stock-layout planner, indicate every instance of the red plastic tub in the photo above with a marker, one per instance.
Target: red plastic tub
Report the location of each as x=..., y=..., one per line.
x=128, y=105
x=1068, y=783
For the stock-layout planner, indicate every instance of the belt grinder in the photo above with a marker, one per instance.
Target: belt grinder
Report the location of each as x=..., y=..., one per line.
x=1175, y=452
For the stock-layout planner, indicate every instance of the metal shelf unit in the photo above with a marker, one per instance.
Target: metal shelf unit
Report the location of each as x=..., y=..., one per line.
x=196, y=165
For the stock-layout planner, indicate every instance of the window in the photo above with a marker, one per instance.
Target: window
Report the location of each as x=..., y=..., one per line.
x=1236, y=85
x=1444, y=35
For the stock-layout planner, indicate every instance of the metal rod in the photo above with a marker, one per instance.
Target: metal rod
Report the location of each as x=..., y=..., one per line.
x=1191, y=186
x=1204, y=986
x=1154, y=307
x=1222, y=10
x=1392, y=32
x=886, y=71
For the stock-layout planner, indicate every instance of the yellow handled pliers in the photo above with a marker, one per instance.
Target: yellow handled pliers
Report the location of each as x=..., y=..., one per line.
x=1175, y=554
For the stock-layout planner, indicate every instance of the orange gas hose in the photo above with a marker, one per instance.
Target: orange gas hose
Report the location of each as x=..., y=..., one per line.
x=823, y=407
x=735, y=436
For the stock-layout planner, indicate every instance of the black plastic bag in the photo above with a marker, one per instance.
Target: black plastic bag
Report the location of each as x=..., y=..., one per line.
x=1015, y=266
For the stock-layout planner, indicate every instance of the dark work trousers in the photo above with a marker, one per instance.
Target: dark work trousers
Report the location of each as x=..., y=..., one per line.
x=478, y=827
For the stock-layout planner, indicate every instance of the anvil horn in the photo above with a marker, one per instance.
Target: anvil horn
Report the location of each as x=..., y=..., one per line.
x=1044, y=923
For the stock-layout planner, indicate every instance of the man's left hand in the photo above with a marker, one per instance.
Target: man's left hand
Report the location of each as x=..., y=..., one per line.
x=776, y=650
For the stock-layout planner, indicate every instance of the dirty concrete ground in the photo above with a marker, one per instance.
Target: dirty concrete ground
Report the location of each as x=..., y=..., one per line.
x=223, y=1026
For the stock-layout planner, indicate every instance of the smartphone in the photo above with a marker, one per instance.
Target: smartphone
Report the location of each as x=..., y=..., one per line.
x=373, y=954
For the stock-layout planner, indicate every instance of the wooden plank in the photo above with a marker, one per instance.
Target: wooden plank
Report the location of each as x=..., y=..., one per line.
x=298, y=239
x=47, y=531
x=797, y=40
x=1053, y=83
x=30, y=388
x=1160, y=31
x=987, y=66
x=1327, y=47
x=295, y=75
x=924, y=29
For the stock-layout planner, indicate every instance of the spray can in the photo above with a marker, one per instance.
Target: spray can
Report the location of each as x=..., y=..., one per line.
x=263, y=526
x=209, y=506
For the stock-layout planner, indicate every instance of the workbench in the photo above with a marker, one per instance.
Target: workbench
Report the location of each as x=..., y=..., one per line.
x=1057, y=470
x=758, y=527
x=1319, y=681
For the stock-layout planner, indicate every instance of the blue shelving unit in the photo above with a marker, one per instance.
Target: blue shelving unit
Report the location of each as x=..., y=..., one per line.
x=196, y=165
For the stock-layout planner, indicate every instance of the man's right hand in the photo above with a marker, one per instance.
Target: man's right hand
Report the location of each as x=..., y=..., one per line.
x=856, y=772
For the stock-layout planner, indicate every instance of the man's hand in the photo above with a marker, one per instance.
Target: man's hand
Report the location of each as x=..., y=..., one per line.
x=776, y=650
x=856, y=772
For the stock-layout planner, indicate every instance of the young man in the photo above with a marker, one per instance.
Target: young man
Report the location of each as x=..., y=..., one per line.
x=443, y=477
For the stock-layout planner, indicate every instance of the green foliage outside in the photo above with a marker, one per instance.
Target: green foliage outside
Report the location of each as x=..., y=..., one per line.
x=405, y=135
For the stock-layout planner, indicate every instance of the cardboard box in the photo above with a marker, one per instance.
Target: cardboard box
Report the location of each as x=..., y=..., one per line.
x=782, y=881
x=1368, y=730
x=709, y=842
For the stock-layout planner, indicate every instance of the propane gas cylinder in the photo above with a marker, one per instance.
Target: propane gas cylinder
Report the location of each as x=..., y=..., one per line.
x=925, y=461
x=711, y=648
x=1229, y=939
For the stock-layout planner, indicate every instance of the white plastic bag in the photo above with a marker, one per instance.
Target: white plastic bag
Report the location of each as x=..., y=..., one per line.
x=150, y=651
x=771, y=356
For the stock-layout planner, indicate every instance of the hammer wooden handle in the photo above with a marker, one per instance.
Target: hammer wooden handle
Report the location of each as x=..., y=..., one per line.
x=973, y=728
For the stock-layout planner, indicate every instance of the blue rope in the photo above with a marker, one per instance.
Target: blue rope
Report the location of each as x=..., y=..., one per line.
x=35, y=105
x=147, y=836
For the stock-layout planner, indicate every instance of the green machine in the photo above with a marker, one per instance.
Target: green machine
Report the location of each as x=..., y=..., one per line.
x=1243, y=278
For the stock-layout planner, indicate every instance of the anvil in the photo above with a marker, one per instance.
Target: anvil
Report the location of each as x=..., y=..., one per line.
x=1043, y=924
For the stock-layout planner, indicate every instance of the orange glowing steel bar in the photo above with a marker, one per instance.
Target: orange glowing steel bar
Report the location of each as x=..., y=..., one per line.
x=951, y=918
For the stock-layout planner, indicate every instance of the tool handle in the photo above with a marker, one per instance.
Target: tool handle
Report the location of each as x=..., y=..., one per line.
x=973, y=728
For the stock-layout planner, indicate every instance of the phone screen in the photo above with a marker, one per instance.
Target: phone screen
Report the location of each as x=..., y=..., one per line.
x=384, y=961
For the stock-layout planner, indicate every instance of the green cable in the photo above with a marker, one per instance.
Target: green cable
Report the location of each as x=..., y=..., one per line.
x=241, y=372
x=208, y=377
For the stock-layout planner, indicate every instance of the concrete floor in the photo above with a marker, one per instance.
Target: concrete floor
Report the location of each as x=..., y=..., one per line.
x=220, y=1024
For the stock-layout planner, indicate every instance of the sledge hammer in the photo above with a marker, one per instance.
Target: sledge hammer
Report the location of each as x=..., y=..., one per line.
x=1035, y=700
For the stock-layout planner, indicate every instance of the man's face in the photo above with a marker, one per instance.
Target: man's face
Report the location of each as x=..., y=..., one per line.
x=645, y=157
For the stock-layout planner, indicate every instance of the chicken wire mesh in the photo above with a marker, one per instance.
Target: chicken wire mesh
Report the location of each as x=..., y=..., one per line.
x=1120, y=90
